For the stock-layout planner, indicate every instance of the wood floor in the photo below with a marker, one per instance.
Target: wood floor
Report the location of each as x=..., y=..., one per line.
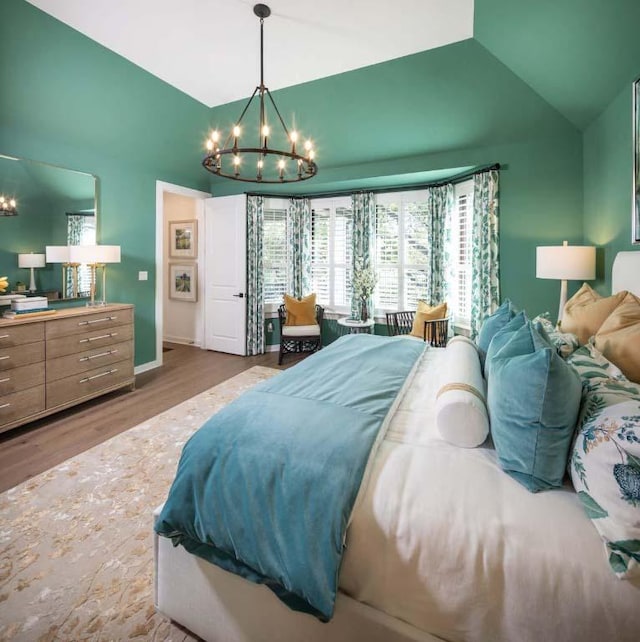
x=186, y=371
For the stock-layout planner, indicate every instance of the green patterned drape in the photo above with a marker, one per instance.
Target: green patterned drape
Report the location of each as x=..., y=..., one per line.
x=485, y=264
x=255, y=276
x=75, y=229
x=299, y=246
x=364, y=239
x=440, y=201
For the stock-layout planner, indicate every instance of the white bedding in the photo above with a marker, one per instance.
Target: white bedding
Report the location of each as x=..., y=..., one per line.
x=443, y=539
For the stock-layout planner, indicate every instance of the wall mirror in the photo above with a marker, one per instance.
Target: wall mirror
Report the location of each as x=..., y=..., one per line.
x=635, y=224
x=44, y=205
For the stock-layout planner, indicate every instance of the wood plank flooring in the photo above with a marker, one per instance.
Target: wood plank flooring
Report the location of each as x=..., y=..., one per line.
x=186, y=371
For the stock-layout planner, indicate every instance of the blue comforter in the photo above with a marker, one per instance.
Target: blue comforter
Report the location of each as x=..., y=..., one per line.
x=265, y=488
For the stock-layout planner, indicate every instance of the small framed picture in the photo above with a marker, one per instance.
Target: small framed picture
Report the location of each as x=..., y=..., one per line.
x=183, y=281
x=183, y=239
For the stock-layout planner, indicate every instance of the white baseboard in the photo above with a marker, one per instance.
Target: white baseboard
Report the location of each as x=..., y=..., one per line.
x=143, y=367
x=184, y=341
x=275, y=348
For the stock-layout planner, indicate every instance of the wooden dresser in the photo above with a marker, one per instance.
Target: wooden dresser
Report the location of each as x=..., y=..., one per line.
x=54, y=362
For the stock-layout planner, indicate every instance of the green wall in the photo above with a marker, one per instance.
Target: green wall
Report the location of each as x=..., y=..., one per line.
x=68, y=101
x=608, y=183
x=452, y=107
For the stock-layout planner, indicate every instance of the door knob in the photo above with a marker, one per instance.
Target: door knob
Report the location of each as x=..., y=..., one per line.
x=239, y=295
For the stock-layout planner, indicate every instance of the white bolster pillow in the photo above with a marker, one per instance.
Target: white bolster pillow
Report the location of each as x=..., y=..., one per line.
x=461, y=410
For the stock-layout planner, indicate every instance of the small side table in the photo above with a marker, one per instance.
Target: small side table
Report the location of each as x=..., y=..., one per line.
x=356, y=326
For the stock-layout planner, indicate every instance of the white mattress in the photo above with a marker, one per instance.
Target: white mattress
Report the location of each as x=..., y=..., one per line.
x=443, y=539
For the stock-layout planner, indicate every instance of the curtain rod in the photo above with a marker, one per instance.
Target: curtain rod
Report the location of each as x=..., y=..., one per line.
x=87, y=213
x=458, y=178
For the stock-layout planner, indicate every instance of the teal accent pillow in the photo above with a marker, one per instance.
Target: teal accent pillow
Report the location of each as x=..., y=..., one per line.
x=533, y=400
x=492, y=324
x=501, y=338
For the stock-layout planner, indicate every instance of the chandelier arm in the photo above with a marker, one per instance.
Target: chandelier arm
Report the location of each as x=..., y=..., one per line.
x=286, y=131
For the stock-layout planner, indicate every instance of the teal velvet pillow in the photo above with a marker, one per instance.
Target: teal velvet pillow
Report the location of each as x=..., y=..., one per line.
x=501, y=338
x=491, y=325
x=533, y=400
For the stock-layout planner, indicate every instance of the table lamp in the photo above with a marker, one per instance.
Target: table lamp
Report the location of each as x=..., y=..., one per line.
x=566, y=263
x=60, y=254
x=95, y=256
x=31, y=261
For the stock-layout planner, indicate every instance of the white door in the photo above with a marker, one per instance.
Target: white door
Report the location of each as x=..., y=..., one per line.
x=225, y=293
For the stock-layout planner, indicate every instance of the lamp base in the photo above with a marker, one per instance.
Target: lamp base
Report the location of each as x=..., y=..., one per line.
x=563, y=300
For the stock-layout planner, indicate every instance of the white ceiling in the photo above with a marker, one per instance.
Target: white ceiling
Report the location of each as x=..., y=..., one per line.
x=210, y=48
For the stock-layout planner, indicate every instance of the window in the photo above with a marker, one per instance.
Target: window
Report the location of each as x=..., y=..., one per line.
x=274, y=251
x=402, y=250
x=81, y=230
x=460, y=299
x=332, y=251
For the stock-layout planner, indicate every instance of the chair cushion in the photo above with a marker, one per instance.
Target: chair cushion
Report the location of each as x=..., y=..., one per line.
x=424, y=313
x=586, y=311
x=312, y=330
x=618, y=338
x=533, y=399
x=302, y=312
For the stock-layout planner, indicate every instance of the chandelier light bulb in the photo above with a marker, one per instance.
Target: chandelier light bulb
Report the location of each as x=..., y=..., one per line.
x=236, y=131
x=215, y=136
x=265, y=130
x=12, y=202
x=312, y=154
x=236, y=160
x=260, y=164
x=281, y=163
x=293, y=136
x=209, y=145
x=308, y=145
x=2, y=200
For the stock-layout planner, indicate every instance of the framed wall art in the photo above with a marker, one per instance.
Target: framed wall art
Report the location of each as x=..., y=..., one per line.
x=183, y=281
x=635, y=222
x=183, y=239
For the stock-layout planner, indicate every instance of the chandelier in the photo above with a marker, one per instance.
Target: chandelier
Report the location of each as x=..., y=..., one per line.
x=274, y=158
x=8, y=206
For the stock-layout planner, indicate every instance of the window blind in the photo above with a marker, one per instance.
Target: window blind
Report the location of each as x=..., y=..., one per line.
x=274, y=254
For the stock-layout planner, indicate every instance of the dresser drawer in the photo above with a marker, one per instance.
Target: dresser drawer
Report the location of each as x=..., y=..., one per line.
x=21, y=404
x=20, y=334
x=88, y=383
x=21, y=378
x=60, y=367
x=21, y=355
x=97, y=321
x=94, y=338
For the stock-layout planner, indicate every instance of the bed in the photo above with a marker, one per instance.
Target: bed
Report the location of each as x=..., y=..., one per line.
x=441, y=545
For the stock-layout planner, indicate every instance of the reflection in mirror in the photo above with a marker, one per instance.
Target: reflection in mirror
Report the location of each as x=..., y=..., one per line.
x=53, y=207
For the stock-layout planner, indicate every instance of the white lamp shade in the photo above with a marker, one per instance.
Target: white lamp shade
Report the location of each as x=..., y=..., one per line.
x=566, y=262
x=107, y=254
x=57, y=253
x=31, y=260
x=89, y=254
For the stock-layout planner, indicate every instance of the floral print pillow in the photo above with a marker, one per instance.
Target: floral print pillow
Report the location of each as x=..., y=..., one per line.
x=565, y=343
x=605, y=460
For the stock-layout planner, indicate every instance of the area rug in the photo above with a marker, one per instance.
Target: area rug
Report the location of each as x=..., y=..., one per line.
x=76, y=546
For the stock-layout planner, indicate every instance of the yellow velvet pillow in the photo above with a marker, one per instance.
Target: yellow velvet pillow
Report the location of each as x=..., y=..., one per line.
x=426, y=313
x=301, y=312
x=586, y=311
x=619, y=337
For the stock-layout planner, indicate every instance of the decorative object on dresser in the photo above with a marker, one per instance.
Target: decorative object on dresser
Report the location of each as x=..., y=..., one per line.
x=31, y=261
x=48, y=364
x=95, y=256
x=565, y=263
x=60, y=254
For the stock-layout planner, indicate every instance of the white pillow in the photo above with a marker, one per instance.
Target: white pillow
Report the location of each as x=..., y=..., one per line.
x=461, y=411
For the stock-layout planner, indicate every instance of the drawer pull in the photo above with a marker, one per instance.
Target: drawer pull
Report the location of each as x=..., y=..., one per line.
x=4, y=336
x=113, y=318
x=102, y=336
x=102, y=374
x=6, y=356
x=5, y=380
x=96, y=356
x=5, y=405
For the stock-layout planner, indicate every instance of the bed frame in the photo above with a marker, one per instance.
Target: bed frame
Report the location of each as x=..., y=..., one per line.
x=221, y=607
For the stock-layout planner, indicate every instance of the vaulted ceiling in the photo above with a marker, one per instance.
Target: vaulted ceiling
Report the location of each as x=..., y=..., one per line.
x=576, y=54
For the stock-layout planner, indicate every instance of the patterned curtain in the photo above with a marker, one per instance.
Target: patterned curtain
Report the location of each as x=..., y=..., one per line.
x=440, y=202
x=75, y=232
x=299, y=246
x=485, y=264
x=364, y=240
x=255, y=276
